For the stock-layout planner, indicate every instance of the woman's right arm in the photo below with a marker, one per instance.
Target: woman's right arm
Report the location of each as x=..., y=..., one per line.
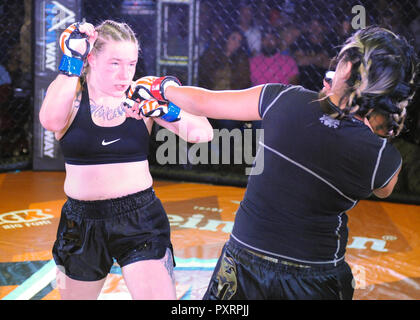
x=56, y=109
x=57, y=105
x=227, y=104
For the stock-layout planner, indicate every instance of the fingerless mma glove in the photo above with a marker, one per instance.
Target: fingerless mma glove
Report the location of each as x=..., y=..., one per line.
x=72, y=61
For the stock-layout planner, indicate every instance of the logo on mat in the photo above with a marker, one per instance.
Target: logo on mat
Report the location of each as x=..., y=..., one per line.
x=21, y=218
x=105, y=143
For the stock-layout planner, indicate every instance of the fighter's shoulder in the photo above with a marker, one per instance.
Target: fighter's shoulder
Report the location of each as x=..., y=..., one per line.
x=277, y=93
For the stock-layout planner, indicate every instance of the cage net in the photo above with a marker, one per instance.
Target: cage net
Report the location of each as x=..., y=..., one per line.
x=220, y=45
x=16, y=109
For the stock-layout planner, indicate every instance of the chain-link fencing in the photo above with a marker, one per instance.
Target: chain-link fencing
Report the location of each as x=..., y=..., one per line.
x=216, y=44
x=16, y=108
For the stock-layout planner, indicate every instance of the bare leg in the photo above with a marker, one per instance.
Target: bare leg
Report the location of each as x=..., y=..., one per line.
x=151, y=279
x=71, y=289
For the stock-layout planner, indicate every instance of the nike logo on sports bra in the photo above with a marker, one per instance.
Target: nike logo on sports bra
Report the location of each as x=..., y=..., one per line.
x=105, y=143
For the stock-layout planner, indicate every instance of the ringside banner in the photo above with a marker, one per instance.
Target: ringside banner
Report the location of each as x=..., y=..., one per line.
x=51, y=18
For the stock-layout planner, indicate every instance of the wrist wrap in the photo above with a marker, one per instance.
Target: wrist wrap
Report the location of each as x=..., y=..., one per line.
x=173, y=113
x=71, y=66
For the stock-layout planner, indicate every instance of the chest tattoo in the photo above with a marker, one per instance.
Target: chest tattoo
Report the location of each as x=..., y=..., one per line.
x=106, y=113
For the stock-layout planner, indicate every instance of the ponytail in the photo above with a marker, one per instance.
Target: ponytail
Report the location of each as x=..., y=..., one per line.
x=382, y=77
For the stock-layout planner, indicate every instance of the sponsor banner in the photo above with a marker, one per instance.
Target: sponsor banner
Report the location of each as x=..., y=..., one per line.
x=51, y=18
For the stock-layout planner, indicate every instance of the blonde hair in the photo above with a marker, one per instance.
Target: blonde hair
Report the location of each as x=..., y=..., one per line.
x=110, y=30
x=382, y=79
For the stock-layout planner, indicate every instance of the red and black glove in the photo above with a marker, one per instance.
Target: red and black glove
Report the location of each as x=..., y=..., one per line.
x=151, y=87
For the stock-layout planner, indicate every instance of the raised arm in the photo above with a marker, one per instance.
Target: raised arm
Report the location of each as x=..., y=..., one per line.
x=191, y=128
x=57, y=105
x=56, y=108
x=145, y=99
x=233, y=105
x=193, y=101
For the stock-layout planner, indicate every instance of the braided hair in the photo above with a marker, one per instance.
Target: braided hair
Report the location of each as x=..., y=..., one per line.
x=110, y=30
x=382, y=78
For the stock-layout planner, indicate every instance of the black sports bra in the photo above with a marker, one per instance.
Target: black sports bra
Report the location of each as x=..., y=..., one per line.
x=86, y=143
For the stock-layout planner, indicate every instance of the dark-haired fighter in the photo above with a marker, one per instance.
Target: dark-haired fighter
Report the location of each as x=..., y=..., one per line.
x=321, y=157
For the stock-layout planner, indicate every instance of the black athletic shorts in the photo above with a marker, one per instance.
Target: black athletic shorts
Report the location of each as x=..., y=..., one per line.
x=91, y=234
x=242, y=274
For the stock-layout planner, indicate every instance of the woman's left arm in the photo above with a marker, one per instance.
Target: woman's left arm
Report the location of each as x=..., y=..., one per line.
x=191, y=128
